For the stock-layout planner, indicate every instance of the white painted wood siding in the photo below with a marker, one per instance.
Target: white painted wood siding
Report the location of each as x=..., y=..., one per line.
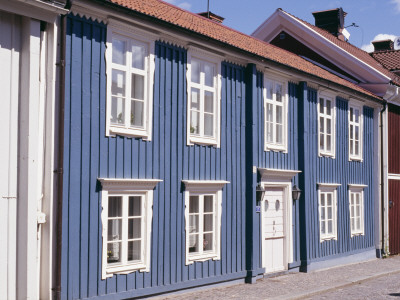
x=10, y=46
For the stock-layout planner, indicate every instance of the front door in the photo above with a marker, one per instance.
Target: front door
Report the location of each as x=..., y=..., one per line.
x=394, y=216
x=273, y=230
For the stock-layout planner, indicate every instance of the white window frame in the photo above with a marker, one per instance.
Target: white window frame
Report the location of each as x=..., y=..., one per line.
x=332, y=98
x=126, y=188
x=357, y=189
x=353, y=156
x=204, y=188
x=114, y=29
x=325, y=188
x=285, y=100
x=203, y=56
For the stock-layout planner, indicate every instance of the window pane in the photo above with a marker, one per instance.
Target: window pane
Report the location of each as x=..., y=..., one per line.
x=208, y=222
x=352, y=211
x=357, y=132
x=113, y=252
x=321, y=125
x=208, y=242
x=208, y=203
x=356, y=148
x=114, y=207
x=270, y=90
x=323, y=229
x=135, y=207
x=358, y=222
x=329, y=199
x=279, y=134
x=118, y=83
x=270, y=129
x=351, y=114
x=114, y=230
x=209, y=124
x=137, y=111
x=134, y=249
x=195, y=74
x=351, y=147
x=279, y=114
x=328, y=107
x=117, y=110
x=193, y=243
x=352, y=225
x=195, y=99
x=351, y=131
x=194, y=122
x=209, y=74
x=194, y=204
x=321, y=105
x=356, y=115
x=329, y=212
x=135, y=228
x=208, y=102
x=270, y=110
x=278, y=92
x=321, y=141
x=194, y=223
x=323, y=213
x=328, y=142
x=137, y=87
x=322, y=200
x=138, y=55
x=118, y=51
x=330, y=227
x=328, y=126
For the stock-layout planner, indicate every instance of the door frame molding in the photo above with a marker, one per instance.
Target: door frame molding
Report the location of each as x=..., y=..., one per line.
x=278, y=178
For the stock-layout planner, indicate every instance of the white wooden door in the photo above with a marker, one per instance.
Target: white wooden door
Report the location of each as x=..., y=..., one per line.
x=273, y=230
x=9, y=96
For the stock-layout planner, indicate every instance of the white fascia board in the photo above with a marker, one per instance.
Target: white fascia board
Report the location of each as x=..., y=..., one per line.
x=281, y=20
x=33, y=9
x=277, y=173
x=328, y=185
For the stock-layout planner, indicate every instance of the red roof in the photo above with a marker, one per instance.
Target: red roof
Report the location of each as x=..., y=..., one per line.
x=353, y=50
x=390, y=59
x=198, y=24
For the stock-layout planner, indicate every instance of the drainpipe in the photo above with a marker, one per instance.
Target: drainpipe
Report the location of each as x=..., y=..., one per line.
x=382, y=181
x=60, y=162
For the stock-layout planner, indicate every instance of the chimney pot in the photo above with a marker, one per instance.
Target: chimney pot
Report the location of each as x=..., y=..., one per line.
x=383, y=45
x=331, y=20
x=212, y=17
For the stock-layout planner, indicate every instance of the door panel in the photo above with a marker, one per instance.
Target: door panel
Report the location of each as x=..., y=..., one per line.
x=273, y=230
x=394, y=216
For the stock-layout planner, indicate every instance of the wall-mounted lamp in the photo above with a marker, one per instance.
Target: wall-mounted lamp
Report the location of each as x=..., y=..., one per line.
x=296, y=192
x=260, y=192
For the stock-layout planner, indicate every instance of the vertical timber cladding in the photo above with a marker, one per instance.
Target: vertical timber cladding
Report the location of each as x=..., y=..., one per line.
x=89, y=154
x=280, y=160
x=342, y=171
x=394, y=184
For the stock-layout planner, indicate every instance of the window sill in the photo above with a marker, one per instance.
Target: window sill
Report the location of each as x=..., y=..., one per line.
x=125, y=269
x=203, y=141
x=328, y=238
x=357, y=234
x=201, y=258
x=354, y=158
x=128, y=132
x=275, y=148
x=326, y=154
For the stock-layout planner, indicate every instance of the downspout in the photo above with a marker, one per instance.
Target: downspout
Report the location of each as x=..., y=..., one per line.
x=60, y=161
x=382, y=181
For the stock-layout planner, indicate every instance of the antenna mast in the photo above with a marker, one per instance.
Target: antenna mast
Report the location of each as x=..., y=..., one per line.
x=208, y=8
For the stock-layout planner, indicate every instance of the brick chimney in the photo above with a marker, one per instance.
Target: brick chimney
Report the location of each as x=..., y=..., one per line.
x=383, y=45
x=212, y=17
x=332, y=21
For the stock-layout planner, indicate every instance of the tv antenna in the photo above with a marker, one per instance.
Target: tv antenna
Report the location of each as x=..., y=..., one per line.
x=208, y=8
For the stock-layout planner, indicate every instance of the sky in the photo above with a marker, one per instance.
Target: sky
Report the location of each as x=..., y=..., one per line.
x=377, y=19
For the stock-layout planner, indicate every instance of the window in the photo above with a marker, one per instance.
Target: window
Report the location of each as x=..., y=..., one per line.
x=203, y=205
x=327, y=211
x=326, y=128
x=355, y=133
x=126, y=219
x=275, y=111
x=130, y=69
x=356, y=206
x=203, y=101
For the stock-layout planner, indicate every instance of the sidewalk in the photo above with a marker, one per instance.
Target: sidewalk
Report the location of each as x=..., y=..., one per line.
x=298, y=285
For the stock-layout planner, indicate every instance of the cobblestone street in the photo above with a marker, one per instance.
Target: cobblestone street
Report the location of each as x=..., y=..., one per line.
x=375, y=279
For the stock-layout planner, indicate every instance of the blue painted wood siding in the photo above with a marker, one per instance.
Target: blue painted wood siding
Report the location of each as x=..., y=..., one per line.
x=339, y=170
x=89, y=154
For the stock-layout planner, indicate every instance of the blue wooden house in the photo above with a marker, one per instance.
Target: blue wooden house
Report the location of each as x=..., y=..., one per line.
x=182, y=143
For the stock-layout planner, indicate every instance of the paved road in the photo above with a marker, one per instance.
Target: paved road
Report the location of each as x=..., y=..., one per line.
x=375, y=279
x=386, y=287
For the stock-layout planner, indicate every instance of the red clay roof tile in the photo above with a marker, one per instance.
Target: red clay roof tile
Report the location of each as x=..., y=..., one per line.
x=198, y=24
x=390, y=59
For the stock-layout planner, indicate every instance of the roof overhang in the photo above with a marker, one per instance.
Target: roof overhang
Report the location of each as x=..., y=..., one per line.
x=282, y=21
x=36, y=9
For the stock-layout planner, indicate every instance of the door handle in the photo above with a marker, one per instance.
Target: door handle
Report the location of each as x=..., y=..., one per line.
x=391, y=203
